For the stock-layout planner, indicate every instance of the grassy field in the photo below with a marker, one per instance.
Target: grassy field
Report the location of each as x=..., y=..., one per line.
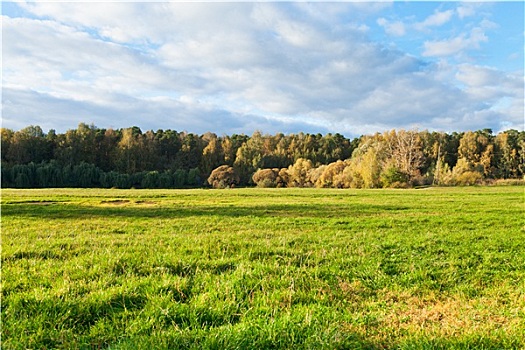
x=435, y=268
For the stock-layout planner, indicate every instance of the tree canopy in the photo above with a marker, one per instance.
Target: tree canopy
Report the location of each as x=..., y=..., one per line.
x=89, y=156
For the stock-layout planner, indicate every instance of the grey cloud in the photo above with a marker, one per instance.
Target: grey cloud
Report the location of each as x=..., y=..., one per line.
x=228, y=68
x=18, y=107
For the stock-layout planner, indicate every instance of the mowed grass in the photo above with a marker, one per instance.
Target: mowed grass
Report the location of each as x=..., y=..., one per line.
x=435, y=268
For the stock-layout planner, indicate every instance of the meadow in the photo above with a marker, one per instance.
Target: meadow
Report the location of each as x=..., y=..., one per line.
x=435, y=268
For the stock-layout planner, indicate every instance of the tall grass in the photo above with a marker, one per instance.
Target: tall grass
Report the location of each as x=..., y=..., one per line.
x=434, y=268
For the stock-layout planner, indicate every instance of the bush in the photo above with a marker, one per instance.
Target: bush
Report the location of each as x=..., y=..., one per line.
x=266, y=178
x=510, y=182
x=150, y=180
x=180, y=177
x=393, y=177
x=468, y=178
x=194, y=177
x=223, y=177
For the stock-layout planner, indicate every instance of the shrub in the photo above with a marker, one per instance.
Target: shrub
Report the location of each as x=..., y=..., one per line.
x=393, y=177
x=298, y=173
x=468, y=178
x=510, y=182
x=266, y=177
x=223, y=177
x=331, y=175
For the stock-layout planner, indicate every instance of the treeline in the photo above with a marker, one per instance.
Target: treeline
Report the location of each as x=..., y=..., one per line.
x=93, y=157
x=124, y=158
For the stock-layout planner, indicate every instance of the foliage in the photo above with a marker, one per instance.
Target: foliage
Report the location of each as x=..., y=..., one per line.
x=299, y=173
x=92, y=157
x=267, y=178
x=468, y=178
x=510, y=182
x=331, y=175
x=438, y=268
x=223, y=177
x=393, y=177
x=84, y=175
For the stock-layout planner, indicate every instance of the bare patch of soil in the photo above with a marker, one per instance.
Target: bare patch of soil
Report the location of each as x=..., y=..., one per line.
x=145, y=202
x=37, y=202
x=116, y=202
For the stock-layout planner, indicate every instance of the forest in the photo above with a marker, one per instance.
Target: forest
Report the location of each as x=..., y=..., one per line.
x=92, y=157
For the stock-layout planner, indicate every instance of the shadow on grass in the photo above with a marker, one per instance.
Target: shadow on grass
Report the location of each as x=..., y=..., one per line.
x=73, y=211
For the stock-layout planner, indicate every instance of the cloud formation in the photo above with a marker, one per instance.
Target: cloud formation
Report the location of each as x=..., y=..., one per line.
x=396, y=28
x=435, y=20
x=238, y=67
x=456, y=44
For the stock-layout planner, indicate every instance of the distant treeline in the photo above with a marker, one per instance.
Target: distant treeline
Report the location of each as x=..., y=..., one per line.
x=124, y=158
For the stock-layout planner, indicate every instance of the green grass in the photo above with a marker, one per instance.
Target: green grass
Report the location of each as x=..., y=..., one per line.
x=439, y=268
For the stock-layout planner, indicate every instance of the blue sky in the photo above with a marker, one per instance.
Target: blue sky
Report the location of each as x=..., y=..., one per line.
x=347, y=67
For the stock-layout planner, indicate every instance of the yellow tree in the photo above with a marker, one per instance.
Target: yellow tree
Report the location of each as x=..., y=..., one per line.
x=476, y=153
x=468, y=148
x=508, y=160
x=212, y=155
x=404, y=153
x=298, y=173
x=130, y=151
x=331, y=176
x=368, y=160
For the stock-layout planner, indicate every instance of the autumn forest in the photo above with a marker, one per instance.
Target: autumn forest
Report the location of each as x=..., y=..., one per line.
x=130, y=158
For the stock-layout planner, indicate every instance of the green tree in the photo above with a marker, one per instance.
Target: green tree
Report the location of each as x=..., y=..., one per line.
x=130, y=152
x=24, y=175
x=86, y=175
x=151, y=180
x=508, y=159
x=169, y=144
x=6, y=136
x=49, y=175
x=189, y=156
x=150, y=152
x=108, y=149
x=194, y=177
x=393, y=177
x=29, y=145
x=249, y=156
x=180, y=178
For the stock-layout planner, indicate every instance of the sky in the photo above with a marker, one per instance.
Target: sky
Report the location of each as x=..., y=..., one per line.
x=236, y=67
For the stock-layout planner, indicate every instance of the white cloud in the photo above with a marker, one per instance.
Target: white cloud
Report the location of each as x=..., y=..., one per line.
x=233, y=67
x=479, y=76
x=490, y=85
x=466, y=10
x=486, y=24
x=396, y=28
x=455, y=45
x=400, y=28
x=435, y=20
x=503, y=92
